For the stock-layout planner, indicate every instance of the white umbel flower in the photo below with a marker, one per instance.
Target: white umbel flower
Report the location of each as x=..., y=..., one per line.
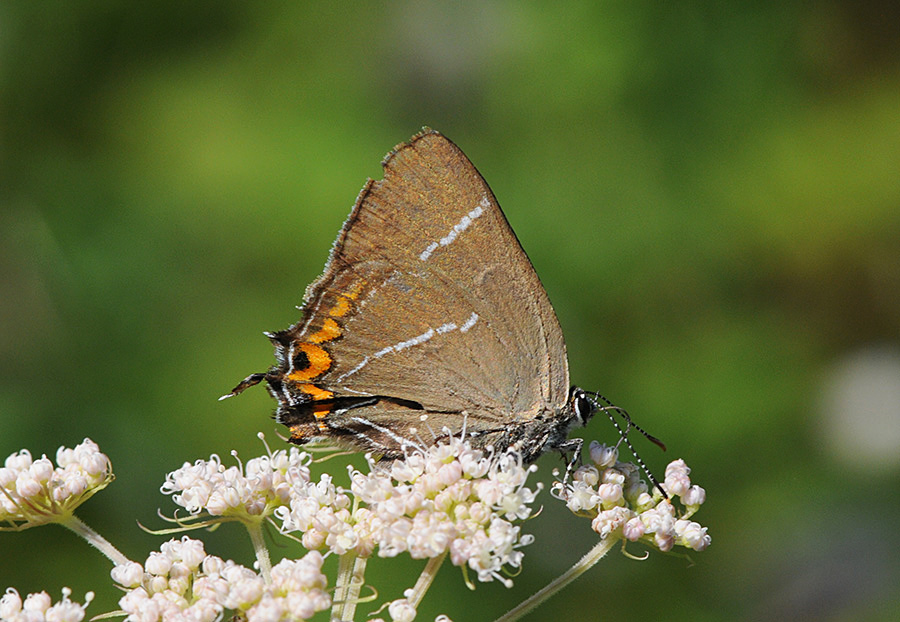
x=447, y=498
x=182, y=582
x=35, y=492
x=243, y=492
x=612, y=494
x=39, y=607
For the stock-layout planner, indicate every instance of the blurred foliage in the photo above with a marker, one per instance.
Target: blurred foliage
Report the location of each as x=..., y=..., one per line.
x=710, y=193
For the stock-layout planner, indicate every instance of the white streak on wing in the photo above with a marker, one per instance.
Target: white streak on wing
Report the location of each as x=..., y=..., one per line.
x=361, y=364
x=349, y=390
x=287, y=395
x=403, y=345
x=428, y=250
x=445, y=328
x=400, y=440
x=429, y=334
x=469, y=323
x=458, y=228
x=290, y=358
x=368, y=439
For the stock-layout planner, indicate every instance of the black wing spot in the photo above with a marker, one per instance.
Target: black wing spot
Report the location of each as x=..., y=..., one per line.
x=300, y=362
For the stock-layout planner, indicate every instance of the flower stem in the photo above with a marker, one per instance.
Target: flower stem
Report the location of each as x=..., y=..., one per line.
x=425, y=579
x=350, y=579
x=580, y=567
x=262, y=553
x=94, y=539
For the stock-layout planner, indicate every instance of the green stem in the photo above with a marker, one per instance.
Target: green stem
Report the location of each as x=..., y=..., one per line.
x=425, y=579
x=584, y=564
x=262, y=553
x=94, y=539
x=351, y=578
x=357, y=583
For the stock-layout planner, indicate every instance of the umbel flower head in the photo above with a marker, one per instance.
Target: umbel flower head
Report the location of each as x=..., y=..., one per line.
x=620, y=504
x=247, y=493
x=35, y=492
x=39, y=607
x=448, y=498
x=182, y=582
x=621, y=508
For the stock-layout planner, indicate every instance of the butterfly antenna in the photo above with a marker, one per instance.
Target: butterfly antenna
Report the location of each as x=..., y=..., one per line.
x=631, y=424
x=611, y=410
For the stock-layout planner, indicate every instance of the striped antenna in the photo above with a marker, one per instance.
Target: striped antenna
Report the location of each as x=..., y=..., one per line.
x=611, y=410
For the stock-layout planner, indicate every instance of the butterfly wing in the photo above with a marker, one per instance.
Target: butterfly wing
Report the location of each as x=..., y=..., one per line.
x=429, y=303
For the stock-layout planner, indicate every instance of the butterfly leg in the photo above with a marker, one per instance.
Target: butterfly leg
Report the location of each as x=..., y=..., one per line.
x=573, y=446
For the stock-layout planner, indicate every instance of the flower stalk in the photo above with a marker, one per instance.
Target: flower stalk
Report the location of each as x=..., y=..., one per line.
x=93, y=538
x=350, y=579
x=583, y=565
x=259, y=547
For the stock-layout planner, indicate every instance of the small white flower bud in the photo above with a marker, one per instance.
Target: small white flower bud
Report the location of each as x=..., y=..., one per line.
x=603, y=456
x=128, y=575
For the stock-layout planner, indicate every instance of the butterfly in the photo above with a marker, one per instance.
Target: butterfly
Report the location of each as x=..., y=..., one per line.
x=428, y=321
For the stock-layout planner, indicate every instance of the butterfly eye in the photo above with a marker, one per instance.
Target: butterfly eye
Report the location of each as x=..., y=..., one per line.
x=583, y=406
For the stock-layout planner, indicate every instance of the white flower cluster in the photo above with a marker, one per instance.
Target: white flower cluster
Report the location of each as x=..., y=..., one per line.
x=613, y=494
x=182, y=583
x=39, y=607
x=401, y=610
x=321, y=513
x=250, y=493
x=448, y=498
x=34, y=492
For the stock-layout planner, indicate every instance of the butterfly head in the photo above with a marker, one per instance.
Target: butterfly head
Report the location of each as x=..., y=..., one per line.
x=582, y=405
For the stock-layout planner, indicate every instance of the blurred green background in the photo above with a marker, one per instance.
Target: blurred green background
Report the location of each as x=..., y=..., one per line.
x=709, y=191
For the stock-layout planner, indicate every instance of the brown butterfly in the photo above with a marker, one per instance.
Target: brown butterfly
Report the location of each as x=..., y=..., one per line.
x=429, y=320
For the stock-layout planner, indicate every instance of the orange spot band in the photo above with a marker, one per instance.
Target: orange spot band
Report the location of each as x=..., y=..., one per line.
x=319, y=363
x=330, y=330
x=317, y=394
x=341, y=308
